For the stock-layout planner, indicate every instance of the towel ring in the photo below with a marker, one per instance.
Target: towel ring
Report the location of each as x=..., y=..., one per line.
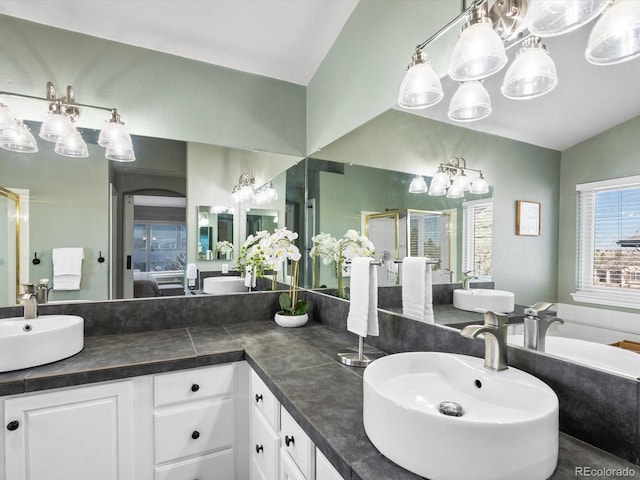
x=100, y=257
x=36, y=260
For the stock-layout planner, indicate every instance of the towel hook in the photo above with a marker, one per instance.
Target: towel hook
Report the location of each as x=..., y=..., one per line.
x=100, y=257
x=36, y=260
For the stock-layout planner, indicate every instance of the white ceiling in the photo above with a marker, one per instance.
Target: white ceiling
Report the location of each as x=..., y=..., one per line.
x=288, y=39
x=282, y=39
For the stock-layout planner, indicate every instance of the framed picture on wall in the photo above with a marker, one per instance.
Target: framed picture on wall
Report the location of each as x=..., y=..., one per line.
x=528, y=218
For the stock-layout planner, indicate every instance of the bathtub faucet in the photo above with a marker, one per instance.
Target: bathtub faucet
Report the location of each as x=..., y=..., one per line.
x=536, y=325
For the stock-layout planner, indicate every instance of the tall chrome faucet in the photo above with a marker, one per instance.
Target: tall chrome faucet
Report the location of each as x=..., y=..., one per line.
x=466, y=279
x=29, y=300
x=495, y=339
x=536, y=325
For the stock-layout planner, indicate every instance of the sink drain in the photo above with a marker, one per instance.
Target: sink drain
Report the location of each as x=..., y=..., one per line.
x=451, y=409
x=27, y=327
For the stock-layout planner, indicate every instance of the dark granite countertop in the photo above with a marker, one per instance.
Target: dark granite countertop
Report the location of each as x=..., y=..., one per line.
x=298, y=364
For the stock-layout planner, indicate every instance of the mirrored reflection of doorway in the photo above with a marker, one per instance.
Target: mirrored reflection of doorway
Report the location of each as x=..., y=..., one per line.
x=9, y=246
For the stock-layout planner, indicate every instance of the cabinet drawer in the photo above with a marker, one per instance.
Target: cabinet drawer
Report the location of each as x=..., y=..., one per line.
x=288, y=468
x=324, y=469
x=217, y=466
x=297, y=443
x=192, y=430
x=265, y=445
x=266, y=401
x=193, y=384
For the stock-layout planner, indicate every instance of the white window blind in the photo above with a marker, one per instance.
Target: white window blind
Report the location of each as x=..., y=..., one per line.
x=608, y=242
x=425, y=236
x=477, y=237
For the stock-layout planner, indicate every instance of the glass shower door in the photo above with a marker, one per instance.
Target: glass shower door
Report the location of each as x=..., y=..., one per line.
x=9, y=246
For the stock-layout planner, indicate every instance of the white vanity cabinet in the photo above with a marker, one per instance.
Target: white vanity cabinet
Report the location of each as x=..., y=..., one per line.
x=194, y=423
x=280, y=449
x=71, y=434
x=263, y=436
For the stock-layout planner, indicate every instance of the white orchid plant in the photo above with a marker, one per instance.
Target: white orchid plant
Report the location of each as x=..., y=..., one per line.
x=265, y=251
x=339, y=251
x=224, y=247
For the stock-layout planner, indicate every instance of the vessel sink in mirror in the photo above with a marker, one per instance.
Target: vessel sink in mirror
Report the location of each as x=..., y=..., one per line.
x=223, y=285
x=478, y=299
x=444, y=416
x=598, y=355
x=45, y=339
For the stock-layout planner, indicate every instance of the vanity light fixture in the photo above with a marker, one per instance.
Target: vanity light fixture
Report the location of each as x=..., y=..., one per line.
x=532, y=73
x=244, y=190
x=549, y=18
x=418, y=185
x=22, y=142
x=266, y=194
x=615, y=37
x=479, y=51
x=471, y=102
x=494, y=27
x=421, y=86
x=452, y=180
x=59, y=127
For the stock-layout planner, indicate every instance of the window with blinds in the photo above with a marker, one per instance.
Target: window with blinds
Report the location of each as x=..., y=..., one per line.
x=425, y=237
x=608, y=242
x=477, y=238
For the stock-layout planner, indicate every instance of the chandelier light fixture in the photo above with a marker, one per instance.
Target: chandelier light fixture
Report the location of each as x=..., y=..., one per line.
x=452, y=180
x=491, y=28
x=59, y=127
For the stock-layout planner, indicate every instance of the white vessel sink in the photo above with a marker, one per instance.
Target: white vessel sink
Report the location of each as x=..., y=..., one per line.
x=223, y=284
x=509, y=428
x=597, y=355
x=45, y=339
x=478, y=299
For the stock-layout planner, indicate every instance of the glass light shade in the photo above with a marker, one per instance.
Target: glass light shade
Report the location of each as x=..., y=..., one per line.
x=531, y=74
x=55, y=126
x=420, y=87
x=548, y=18
x=271, y=194
x=72, y=145
x=615, y=38
x=455, y=192
x=478, y=53
x=471, y=102
x=461, y=182
x=114, y=132
x=439, y=184
x=9, y=127
x=120, y=152
x=23, y=142
x=418, y=185
x=479, y=186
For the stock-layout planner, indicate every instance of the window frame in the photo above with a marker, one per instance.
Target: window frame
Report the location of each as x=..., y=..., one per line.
x=586, y=289
x=468, y=232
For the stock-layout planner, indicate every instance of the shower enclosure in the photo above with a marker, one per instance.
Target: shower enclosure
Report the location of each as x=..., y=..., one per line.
x=9, y=246
x=413, y=233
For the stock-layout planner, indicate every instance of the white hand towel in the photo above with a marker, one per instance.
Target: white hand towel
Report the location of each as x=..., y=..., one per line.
x=363, y=307
x=250, y=277
x=67, y=268
x=417, y=295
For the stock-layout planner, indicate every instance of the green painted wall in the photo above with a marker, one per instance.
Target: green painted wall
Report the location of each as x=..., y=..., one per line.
x=68, y=207
x=360, y=76
x=158, y=95
x=611, y=154
x=409, y=143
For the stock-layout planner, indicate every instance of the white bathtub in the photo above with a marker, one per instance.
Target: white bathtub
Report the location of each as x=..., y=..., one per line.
x=597, y=355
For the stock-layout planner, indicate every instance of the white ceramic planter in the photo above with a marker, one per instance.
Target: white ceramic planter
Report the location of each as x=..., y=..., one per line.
x=291, y=320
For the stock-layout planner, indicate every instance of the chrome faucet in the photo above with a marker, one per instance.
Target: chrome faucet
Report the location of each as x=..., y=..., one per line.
x=29, y=300
x=536, y=325
x=466, y=279
x=495, y=339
